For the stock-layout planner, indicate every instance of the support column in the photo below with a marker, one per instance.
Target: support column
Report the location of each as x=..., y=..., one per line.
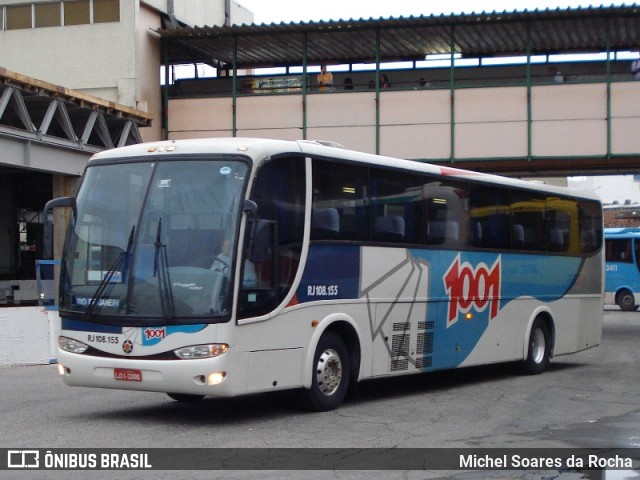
x=234, y=89
x=529, y=109
x=165, y=91
x=608, y=75
x=377, y=91
x=63, y=186
x=305, y=51
x=452, y=87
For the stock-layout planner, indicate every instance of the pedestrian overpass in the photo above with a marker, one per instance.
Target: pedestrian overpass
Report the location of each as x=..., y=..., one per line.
x=479, y=91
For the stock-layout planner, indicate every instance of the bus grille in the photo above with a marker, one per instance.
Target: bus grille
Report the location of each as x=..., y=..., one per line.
x=424, y=362
x=425, y=343
x=430, y=325
x=399, y=364
x=400, y=345
x=401, y=327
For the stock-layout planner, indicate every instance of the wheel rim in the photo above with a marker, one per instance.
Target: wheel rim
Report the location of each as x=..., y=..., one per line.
x=538, y=345
x=329, y=372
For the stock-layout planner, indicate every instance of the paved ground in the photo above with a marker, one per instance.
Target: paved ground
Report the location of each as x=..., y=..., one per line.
x=590, y=399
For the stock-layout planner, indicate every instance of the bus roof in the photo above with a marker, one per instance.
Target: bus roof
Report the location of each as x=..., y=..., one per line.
x=261, y=149
x=619, y=232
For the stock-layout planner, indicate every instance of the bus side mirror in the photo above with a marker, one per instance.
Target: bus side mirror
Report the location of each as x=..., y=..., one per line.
x=48, y=223
x=251, y=208
x=261, y=234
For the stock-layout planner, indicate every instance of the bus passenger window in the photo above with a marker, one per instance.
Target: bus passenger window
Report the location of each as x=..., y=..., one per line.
x=619, y=250
x=396, y=207
x=527, y=212
x=558, y=231
x=342, y=189
x=446, y=213
x=325, y=223
x=591, y=234
x=490, y=218
x=389, y=228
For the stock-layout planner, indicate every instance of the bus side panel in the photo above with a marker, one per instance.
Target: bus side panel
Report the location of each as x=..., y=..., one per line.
x=621, y=276
x=395, y=286
x=429, y=309
x=622, y=263
x=487, y=301
x=578, y=317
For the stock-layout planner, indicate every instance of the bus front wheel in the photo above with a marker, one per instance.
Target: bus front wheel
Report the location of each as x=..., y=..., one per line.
x=626, y=301
x=539, y=351
x=330, y=376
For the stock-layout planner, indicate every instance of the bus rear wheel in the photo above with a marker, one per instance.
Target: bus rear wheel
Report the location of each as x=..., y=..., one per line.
x=539, y=351
x=330, y=376
x=626, y=301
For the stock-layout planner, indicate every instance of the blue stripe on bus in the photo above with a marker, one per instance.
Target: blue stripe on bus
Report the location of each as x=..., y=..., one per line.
x=154, y=335
x=546, y=278
x=80, y=326
x=333, y=272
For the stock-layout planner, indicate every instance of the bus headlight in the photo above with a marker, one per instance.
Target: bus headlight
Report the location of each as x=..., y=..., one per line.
x=71, y=345
x=201, y=351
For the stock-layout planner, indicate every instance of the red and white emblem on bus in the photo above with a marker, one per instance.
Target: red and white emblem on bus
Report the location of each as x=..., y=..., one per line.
x=150, y=333
x=127, y=346
x=469, y=287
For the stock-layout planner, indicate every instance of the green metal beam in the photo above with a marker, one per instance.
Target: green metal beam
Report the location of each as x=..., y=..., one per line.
x=305, y=52
x=234, y=89
x=608, y=75
x=452, y=87
x=529, y=109
x=378, y=91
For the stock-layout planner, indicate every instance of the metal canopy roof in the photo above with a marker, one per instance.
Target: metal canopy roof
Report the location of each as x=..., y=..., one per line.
x=34, y=110
x=407, y=38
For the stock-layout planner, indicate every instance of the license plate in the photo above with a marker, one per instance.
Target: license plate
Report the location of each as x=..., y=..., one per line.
x=127, y=374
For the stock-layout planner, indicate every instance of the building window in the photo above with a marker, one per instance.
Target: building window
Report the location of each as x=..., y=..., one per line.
x=106, y=11
x=77, y=12
x=47, y=14
x=57, y=13
x=18, y=16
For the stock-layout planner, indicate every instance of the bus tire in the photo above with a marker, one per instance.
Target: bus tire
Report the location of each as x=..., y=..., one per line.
x=185, y=397
x=331, y=374
x=626, y=301
x=539, y=350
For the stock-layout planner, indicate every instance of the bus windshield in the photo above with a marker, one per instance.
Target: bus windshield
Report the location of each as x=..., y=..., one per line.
x=153, y=241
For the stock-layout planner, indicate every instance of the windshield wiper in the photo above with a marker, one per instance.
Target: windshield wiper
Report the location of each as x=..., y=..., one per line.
x=161, y=270
x=121, y=261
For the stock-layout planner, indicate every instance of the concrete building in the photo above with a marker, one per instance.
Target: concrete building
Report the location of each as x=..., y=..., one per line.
x=76, y=77
x=105, y=48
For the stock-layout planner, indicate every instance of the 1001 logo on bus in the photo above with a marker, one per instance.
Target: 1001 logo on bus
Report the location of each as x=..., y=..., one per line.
x=151, y=333
x=470, y=287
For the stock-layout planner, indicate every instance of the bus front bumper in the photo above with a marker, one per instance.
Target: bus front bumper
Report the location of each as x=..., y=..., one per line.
x=210, y=377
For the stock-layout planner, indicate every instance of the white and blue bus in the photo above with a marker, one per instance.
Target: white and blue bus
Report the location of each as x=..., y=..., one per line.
x=622, y=272
x=233, y=266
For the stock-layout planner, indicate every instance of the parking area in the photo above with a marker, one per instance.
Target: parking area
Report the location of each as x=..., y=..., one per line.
x=590, y=399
